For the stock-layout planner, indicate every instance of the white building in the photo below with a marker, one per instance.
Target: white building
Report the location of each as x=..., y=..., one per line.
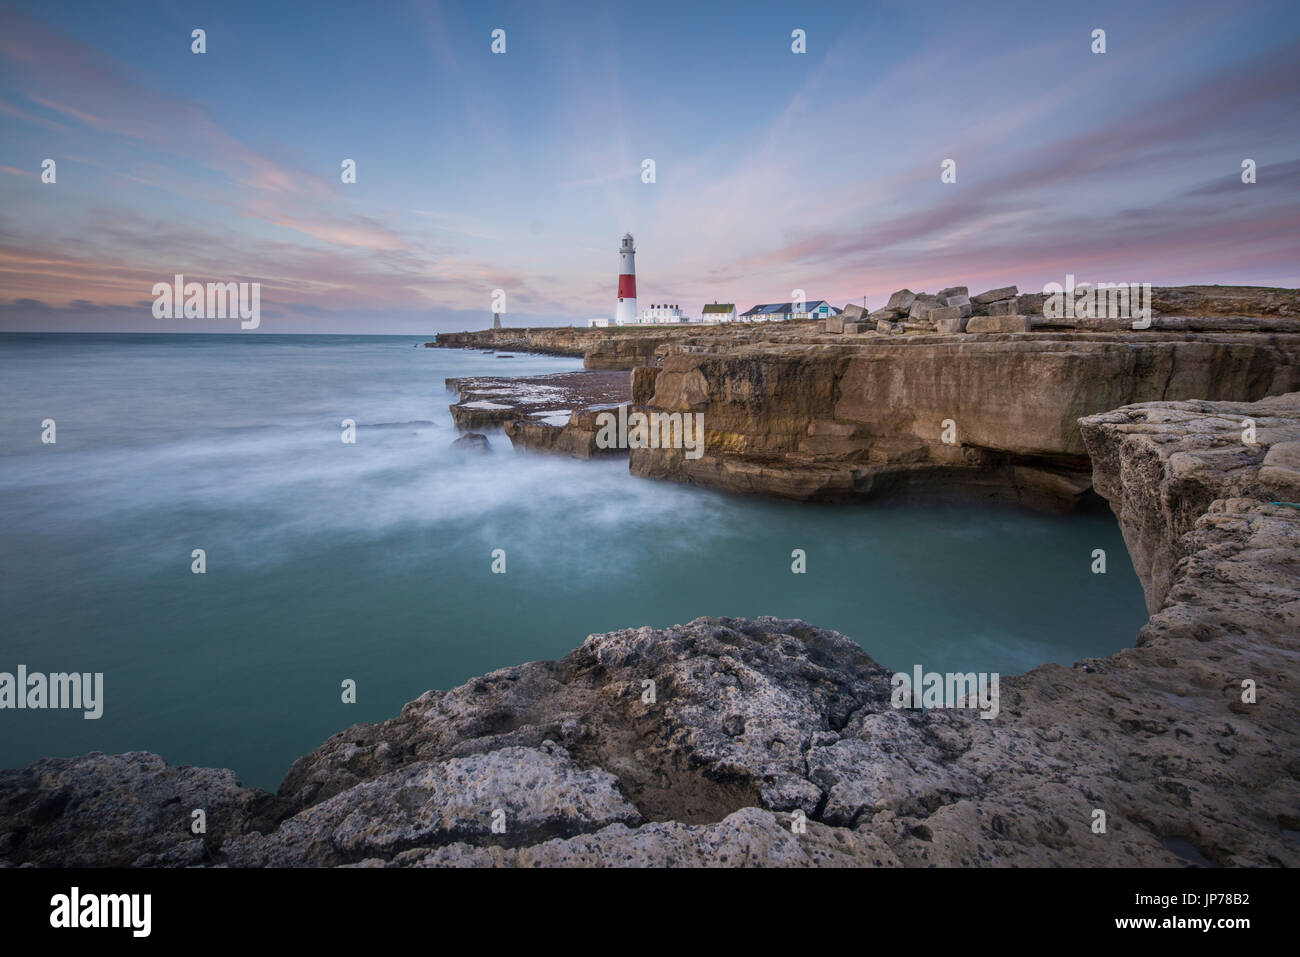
x=663, y=313
x=597, y=323
x=719, y=312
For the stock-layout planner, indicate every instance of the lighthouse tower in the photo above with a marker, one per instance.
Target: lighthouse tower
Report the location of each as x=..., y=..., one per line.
x=626, y=314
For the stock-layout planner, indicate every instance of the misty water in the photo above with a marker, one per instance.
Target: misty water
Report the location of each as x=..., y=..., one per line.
x=328, y=561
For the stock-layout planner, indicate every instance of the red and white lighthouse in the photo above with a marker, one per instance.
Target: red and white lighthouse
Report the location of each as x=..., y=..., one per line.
x=626, y=314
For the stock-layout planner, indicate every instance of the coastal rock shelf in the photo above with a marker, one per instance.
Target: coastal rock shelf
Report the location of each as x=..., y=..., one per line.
x=752, y=720
x=601, y=349
x=493, y=401
x=554, y=413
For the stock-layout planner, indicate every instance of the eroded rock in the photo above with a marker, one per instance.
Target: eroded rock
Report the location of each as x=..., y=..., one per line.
x=509, y=796
x=475, y=442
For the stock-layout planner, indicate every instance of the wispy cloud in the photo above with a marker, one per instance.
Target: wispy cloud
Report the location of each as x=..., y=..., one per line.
x=774, y=171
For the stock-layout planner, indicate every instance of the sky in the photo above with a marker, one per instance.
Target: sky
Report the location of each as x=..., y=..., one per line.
x=775, y=171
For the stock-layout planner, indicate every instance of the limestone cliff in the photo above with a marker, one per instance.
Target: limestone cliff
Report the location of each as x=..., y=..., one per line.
x=1163, y=465
x=995, y=416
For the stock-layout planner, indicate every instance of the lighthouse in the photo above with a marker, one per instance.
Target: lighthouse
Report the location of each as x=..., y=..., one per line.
x=626, y=314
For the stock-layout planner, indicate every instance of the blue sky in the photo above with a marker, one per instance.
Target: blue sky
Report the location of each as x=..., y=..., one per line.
x=774, y=171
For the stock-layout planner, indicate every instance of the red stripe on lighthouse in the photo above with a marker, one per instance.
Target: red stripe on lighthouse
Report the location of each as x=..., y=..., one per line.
x=627, y=287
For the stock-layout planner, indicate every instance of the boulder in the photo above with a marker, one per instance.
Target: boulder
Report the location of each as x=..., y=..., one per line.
x=953, y=291
x=835, y=323
x=902, y=300
x=539, y=792
x=1004, y=307
x=955, y=301
x=921, y=309
x=853, y=313
x=950, y=326
x=995, y=295
x=944, y=313
x=884, y=326
x=853, y=328
x=985, y=324
x=115, y=810
x=1280, y=472
x=472, y=442
x=1030, y=303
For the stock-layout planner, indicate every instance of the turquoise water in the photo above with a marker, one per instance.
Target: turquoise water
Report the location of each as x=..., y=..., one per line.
x=372, y=561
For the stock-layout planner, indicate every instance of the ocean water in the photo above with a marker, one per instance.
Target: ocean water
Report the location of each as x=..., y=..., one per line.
x=372, y=561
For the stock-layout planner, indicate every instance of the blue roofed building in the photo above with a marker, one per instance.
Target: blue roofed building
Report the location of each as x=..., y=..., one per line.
x=781, y=311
